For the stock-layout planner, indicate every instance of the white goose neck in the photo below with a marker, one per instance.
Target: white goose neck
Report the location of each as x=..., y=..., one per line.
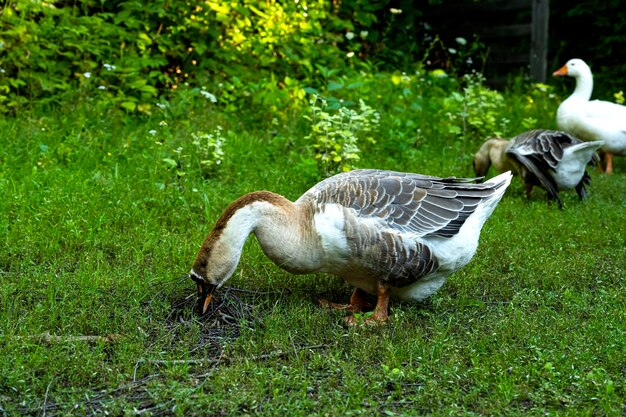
x=259, y=212
x=584, y=84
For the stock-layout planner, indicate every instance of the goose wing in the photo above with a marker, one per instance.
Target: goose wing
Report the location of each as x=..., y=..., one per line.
x=412, y=203
x=600, y=109
x=604, y=115
x=541, y=151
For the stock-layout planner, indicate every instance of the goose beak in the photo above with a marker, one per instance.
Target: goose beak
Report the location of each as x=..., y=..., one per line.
x=205, y=294
x=561, y=71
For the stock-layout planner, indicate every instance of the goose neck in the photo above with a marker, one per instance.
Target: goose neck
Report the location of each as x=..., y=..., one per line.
x=584, y=86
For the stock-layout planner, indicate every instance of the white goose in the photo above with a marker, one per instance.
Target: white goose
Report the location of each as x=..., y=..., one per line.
x=550, y=159
x=591, y=120
x=387, y=233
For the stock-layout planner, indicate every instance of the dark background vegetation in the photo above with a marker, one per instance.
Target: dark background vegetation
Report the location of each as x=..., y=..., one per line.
x=263, y=51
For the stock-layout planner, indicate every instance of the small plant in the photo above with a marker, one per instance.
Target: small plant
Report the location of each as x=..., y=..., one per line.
x=477, y=110
x=206, y=153
x=335, y=136
x=208, y=149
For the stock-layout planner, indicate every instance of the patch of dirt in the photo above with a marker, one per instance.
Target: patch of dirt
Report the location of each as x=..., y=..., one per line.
x=229, y=312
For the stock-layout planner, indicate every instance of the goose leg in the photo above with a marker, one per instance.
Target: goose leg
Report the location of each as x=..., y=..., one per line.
x=608, y=157
x=601, y=162
x=529, y=190
x=381, y=311
x=581, y=191
x=357, y=302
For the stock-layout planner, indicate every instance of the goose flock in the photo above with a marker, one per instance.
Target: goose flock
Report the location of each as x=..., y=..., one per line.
x=396, y=234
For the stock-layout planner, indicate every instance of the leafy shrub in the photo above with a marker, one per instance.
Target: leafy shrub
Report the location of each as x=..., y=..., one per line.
x=129, y=52
x=477, y=111
x=335, y=135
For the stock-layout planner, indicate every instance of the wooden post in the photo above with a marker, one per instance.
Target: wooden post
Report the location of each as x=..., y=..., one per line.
x=539, y=40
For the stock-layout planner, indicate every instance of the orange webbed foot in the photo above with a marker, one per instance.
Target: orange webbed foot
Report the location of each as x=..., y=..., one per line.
x=380, y=314
x=357, y=304
x=338, y=306
x=363, y=320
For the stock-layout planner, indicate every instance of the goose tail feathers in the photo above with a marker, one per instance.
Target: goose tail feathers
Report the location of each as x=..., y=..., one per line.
x=500, y=184
x=588, y=151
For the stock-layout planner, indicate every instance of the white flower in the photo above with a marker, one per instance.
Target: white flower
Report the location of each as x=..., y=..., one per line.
x=210, y=96
x=452, y=50
x=461, y=41
x=364, y=34
x=152, y=132
x=349, y=35
x=160, y=105
x=395, y=11
x=350, y=54
x=162, y=123
x=2, y=71
x=109, y=67
x=101, y=87
x=87, y=75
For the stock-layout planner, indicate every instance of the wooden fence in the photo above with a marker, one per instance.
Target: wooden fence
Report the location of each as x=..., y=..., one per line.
x=515, y=32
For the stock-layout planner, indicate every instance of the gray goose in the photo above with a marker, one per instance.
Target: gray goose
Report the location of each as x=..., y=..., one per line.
x=390, y=234
x=551, y=159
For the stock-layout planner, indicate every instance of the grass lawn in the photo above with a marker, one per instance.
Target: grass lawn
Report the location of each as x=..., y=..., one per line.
x=96, y=230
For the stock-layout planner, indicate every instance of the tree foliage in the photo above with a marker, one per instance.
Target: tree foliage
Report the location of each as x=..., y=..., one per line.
x=264, y=53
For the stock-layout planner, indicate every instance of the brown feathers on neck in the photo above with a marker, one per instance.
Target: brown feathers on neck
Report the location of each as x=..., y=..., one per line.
x=243, y=201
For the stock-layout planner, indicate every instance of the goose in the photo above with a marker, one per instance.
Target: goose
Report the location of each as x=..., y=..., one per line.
x=551, y=159
x=591, y=120
x=389, y=234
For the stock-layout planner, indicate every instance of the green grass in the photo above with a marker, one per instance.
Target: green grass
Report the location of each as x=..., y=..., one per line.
x=96, y=233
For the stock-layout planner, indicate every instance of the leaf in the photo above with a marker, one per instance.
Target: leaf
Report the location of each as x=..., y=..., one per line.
x=355, y=85
x=129, y=105
x=332, y=86
x=170, y=162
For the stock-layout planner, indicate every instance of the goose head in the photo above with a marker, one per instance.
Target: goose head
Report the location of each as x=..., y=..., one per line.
x=219, y=254
x=214, y=264
x=578, y=69
x=574, y=68
x=491, y=151
x=261, y=212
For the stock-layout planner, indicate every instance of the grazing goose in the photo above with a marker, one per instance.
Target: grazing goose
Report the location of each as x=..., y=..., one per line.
x=387, y=233
x=550, y=159
x=591, y=120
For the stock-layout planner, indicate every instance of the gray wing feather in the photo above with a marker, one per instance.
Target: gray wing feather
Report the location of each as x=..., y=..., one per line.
x=421, y=204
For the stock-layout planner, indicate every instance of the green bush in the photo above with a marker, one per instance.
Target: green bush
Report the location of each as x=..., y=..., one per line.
x=129, y=52
x=335, y=135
